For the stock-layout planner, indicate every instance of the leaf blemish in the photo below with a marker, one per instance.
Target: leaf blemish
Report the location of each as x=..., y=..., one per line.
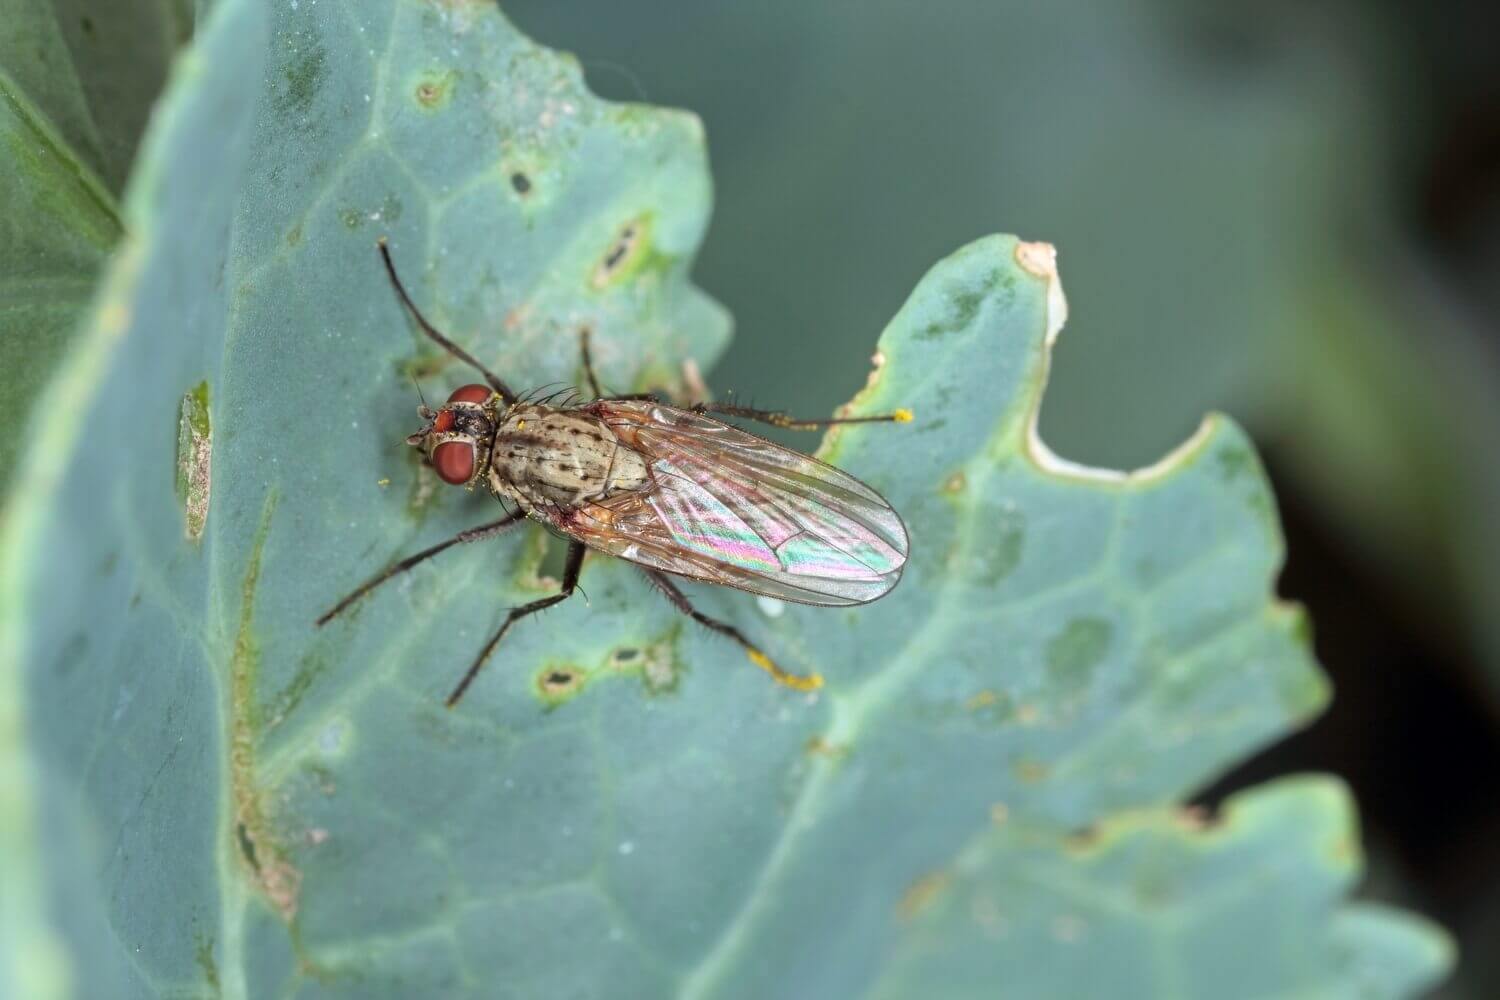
x=1073, y=653
x=1233, y=463
x=254, y=833
x=194, y=460
x=1030, y=771
x=981, y=699
x=964, y=305
x=817, y=746
x=922, y=893
x=559, y=684
x=626, y=254
x=433, y=90
x=520, y=183
x=304, y=75
x=287, y=700
x=203, y=953
x=656, y=663
x=994, y=553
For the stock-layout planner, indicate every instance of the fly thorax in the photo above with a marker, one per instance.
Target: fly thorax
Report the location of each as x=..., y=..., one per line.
x=565, y=457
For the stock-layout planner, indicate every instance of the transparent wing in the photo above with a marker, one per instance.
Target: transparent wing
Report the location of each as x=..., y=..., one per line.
x=731, y=508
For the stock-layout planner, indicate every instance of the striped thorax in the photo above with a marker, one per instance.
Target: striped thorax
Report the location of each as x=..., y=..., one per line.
x=547, y=457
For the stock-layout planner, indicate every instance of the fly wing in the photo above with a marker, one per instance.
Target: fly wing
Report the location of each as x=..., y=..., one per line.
x=732, y=508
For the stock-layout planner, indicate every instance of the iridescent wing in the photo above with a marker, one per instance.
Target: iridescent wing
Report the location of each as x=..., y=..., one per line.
x=728, y=507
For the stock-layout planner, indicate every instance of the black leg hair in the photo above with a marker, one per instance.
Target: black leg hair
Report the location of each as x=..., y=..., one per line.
x=673, y=593
x=433, y=332
x=470, y=535
x=571, y=569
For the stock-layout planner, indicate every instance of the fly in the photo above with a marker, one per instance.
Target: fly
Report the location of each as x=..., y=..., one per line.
x=668, y=488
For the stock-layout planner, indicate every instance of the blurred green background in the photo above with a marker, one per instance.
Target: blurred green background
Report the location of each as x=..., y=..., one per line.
x=1287, y=211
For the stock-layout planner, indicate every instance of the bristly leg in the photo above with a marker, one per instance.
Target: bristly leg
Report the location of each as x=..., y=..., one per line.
x=797, y=682
x=593, y=379
x=434, y=333
x=588, y=363
x=395, y=569
x=776, y=418
x=571, y=569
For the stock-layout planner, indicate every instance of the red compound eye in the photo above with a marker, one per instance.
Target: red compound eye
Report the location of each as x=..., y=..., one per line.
x=473, y=393
x=454, y=461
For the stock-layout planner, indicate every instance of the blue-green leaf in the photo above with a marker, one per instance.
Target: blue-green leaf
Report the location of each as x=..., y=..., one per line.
x=233, y=802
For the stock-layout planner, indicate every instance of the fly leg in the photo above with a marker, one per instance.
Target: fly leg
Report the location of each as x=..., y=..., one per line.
x=776, y=418
x=571, y=569
x=588, y=373
x=673, y=593
x=435, y=334
x=471, y=535
x=588, y=363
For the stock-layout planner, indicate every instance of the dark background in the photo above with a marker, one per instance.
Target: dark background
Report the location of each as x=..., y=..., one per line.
x=1288, y=211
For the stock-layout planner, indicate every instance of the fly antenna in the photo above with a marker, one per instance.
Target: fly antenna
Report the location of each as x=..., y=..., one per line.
x=433, y=332
x=418, y=386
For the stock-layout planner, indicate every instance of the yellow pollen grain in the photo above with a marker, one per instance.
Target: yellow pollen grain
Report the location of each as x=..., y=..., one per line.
x=902, y=416
x=520, y=425
x=382, y=482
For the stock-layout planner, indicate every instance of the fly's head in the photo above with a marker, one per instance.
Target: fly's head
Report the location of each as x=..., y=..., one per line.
x=459, y=435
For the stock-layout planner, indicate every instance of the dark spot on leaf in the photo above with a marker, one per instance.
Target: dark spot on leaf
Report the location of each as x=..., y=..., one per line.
x=626, y=654
x=520, y=183
x=1073, y=653
x=433, y=90
x=993, y=549
x=630, y=252
x=1234, y=463
x=87, y=24
x=288, y=698
x=620, y=249
x=203, y=953
x=247, y=846
x=304, y=75
x=559, y=684
x=964, y=302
